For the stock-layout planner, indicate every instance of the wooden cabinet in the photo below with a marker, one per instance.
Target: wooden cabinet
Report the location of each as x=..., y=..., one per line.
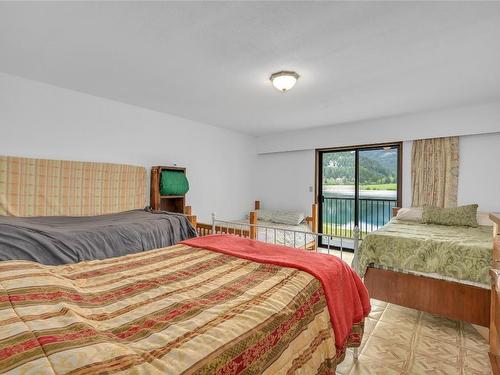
x=170, y=203
x=495, y=299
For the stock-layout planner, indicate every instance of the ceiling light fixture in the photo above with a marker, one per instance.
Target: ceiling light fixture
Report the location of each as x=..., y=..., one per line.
x=284, y=80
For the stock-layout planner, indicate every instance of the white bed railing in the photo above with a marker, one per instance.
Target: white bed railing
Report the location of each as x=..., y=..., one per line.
x=300, y=239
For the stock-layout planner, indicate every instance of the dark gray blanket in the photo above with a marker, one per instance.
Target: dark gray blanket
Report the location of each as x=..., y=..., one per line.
x=62, y=239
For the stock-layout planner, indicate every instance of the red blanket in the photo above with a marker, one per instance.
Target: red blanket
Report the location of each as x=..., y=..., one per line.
x=346, y=295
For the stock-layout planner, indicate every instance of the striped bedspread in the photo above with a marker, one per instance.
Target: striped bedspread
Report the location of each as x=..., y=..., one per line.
x=180, y=309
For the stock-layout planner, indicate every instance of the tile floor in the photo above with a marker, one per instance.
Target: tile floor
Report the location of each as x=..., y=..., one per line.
x=347, y=256
x=399, y=340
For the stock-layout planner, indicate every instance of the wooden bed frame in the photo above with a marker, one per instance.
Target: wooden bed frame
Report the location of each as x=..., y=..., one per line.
x=311, y=220
x=192, y=218
x=204, y=229
x=495, y=299
x=445, y=298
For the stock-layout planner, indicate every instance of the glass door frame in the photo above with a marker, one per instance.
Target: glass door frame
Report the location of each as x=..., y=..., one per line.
x=318, y=186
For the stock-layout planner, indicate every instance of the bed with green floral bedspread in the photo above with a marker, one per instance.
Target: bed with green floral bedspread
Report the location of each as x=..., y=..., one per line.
x=462, y=253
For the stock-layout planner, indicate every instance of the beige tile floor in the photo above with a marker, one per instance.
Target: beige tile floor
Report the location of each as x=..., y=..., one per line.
x=347, y=256
x=399, y=340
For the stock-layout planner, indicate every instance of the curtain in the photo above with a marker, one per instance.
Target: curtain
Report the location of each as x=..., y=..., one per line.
x=434, y=172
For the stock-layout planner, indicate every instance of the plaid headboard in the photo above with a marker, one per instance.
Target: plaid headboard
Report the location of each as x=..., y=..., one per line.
x=39, y=187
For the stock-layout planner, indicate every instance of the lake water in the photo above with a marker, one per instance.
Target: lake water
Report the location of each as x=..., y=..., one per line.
x=338, y=211
x=347, y=191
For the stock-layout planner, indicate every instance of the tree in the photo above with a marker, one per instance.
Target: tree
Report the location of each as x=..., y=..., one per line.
x=375, y=167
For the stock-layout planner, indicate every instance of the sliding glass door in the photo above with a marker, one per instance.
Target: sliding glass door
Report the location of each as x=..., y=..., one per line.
x=357, y=186
x=338, y=192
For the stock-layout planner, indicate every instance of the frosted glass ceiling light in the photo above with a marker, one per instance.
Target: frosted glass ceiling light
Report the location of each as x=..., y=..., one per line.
x=284, y=80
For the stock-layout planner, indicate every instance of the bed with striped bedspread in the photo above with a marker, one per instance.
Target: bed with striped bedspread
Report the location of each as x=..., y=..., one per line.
x=176, y=310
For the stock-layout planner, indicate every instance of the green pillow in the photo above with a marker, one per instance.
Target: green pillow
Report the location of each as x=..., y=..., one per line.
x=173, y=183
x=459, y=216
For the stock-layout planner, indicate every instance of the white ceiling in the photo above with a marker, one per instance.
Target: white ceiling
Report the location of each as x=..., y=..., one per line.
x=210, y=61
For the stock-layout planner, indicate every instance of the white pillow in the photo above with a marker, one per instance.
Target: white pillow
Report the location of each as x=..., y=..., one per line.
x=483, y=218
x=288, y=217
x=410, y=214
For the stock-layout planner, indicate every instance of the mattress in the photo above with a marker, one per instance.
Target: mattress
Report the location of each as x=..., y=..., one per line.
x=453, y=253
x=59, y=240
x=180, y=309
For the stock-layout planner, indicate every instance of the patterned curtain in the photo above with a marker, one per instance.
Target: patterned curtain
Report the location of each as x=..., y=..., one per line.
x=434, y=172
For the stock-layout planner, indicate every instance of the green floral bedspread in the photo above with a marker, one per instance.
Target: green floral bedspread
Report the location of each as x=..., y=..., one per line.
x=463, y=253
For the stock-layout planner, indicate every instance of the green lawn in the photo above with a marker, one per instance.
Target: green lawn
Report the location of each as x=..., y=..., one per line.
x=369, y=187
x=379, y=187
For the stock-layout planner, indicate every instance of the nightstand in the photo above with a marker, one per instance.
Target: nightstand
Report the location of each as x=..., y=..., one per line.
x=170, y=203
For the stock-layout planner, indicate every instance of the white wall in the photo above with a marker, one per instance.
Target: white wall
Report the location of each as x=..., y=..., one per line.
x=479, y=179
x=39, y=120
x=285, y=177
x=477, y=125
x=467, y=120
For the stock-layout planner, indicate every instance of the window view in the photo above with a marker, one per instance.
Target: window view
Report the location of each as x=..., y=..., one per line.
x=359, y=187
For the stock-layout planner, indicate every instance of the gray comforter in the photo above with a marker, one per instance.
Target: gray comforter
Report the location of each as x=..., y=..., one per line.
x=62, y=240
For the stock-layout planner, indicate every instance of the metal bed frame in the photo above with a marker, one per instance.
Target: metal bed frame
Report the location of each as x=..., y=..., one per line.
x=236, y=227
